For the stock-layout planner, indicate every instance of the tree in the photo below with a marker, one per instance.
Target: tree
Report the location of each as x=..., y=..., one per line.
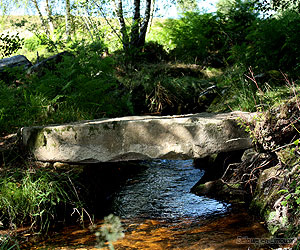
x=278, y=5
x=43, y=21
x=135, y=39
x=48, y=10
x=187, y=5
x=68, y=19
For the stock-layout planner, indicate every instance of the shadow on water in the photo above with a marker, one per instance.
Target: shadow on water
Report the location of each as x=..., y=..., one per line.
x=158, y=211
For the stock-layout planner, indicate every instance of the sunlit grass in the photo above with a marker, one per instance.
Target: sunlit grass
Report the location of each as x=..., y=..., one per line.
x=35, y=197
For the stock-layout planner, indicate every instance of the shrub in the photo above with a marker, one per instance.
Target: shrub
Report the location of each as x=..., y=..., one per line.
x=194, y=36
x=32, y=43
x=271, y=44
x=85, y=82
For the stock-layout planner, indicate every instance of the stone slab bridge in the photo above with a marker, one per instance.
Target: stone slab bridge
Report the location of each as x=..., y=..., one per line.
x=138, y=138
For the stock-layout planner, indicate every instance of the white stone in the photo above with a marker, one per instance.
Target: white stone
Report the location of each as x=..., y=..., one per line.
x=138, y=138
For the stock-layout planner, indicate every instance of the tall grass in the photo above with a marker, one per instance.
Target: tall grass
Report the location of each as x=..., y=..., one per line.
x=8, y=243
x=241, y=88
x=36, y=197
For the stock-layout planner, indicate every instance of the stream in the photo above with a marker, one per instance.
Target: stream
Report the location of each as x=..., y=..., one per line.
x=158, y=212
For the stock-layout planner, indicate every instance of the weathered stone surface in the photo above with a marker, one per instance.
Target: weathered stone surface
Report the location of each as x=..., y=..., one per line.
x=15, y=61
x=267, y=199
x=138, y=138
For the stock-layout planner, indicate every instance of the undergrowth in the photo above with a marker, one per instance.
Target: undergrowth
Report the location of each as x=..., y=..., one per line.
x=241, y=88
x=275, y=131
x=7, y=242
x=82, y=86
x=37, y=197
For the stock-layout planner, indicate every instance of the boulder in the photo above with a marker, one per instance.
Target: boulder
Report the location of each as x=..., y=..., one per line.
x=15, y=61
x=267, y=199
x=138, y=138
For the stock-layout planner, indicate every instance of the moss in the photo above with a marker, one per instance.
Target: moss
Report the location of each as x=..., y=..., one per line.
x=47, y=130
x=37, y=138
x=235, y=185
x=259, y=207
x=92, y=130
x=213, y=129
x=200, y=189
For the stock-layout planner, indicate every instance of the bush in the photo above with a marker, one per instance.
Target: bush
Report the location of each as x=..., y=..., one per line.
x=272, y=44
x=32, y=43
x=193, y=37
x=200, y=37
x=85, y=82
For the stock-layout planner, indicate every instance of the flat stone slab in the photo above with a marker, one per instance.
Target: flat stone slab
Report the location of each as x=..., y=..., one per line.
x=14, y=61
x=138, y=138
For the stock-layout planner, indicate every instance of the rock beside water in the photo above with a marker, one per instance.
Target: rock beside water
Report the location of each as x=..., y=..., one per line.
x=138, y=138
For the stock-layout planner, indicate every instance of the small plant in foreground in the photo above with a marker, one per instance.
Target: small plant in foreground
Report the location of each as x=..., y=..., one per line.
x=110, y=231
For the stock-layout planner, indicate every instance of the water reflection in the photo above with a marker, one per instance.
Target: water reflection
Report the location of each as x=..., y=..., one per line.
x=162, y=190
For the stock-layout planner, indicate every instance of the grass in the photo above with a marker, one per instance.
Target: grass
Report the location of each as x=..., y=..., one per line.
x=7, y=242
x=240, y=89
x=37, y=197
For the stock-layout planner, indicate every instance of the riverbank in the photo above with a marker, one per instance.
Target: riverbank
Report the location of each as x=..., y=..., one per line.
x=265, y=181
x=267, y=178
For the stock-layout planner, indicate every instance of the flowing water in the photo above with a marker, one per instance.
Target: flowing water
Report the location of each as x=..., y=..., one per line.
x=158, y=212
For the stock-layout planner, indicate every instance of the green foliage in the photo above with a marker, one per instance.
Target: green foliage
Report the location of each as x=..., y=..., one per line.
x=7, y=242
x=193, y=37
x=237, y=20
x=234, y=35
x=82, y=86
x=10, y=44
x=271, y=44
x=277, y=5
x=32, y=43
x=36, y=197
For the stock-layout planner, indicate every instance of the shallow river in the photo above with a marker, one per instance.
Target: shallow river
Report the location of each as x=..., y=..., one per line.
x=159, y=212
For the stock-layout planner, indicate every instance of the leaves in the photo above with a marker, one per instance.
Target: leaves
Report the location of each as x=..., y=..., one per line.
x=10, y=44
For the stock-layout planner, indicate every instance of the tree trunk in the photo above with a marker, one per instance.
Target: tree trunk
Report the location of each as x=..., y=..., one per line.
x=138, y=30
x=87, y=25
x=68, y=20
x=144, y=27
x=135, y=27
x=119, y=12
x=151, y=15
x=41, y=17
x=49, y=17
